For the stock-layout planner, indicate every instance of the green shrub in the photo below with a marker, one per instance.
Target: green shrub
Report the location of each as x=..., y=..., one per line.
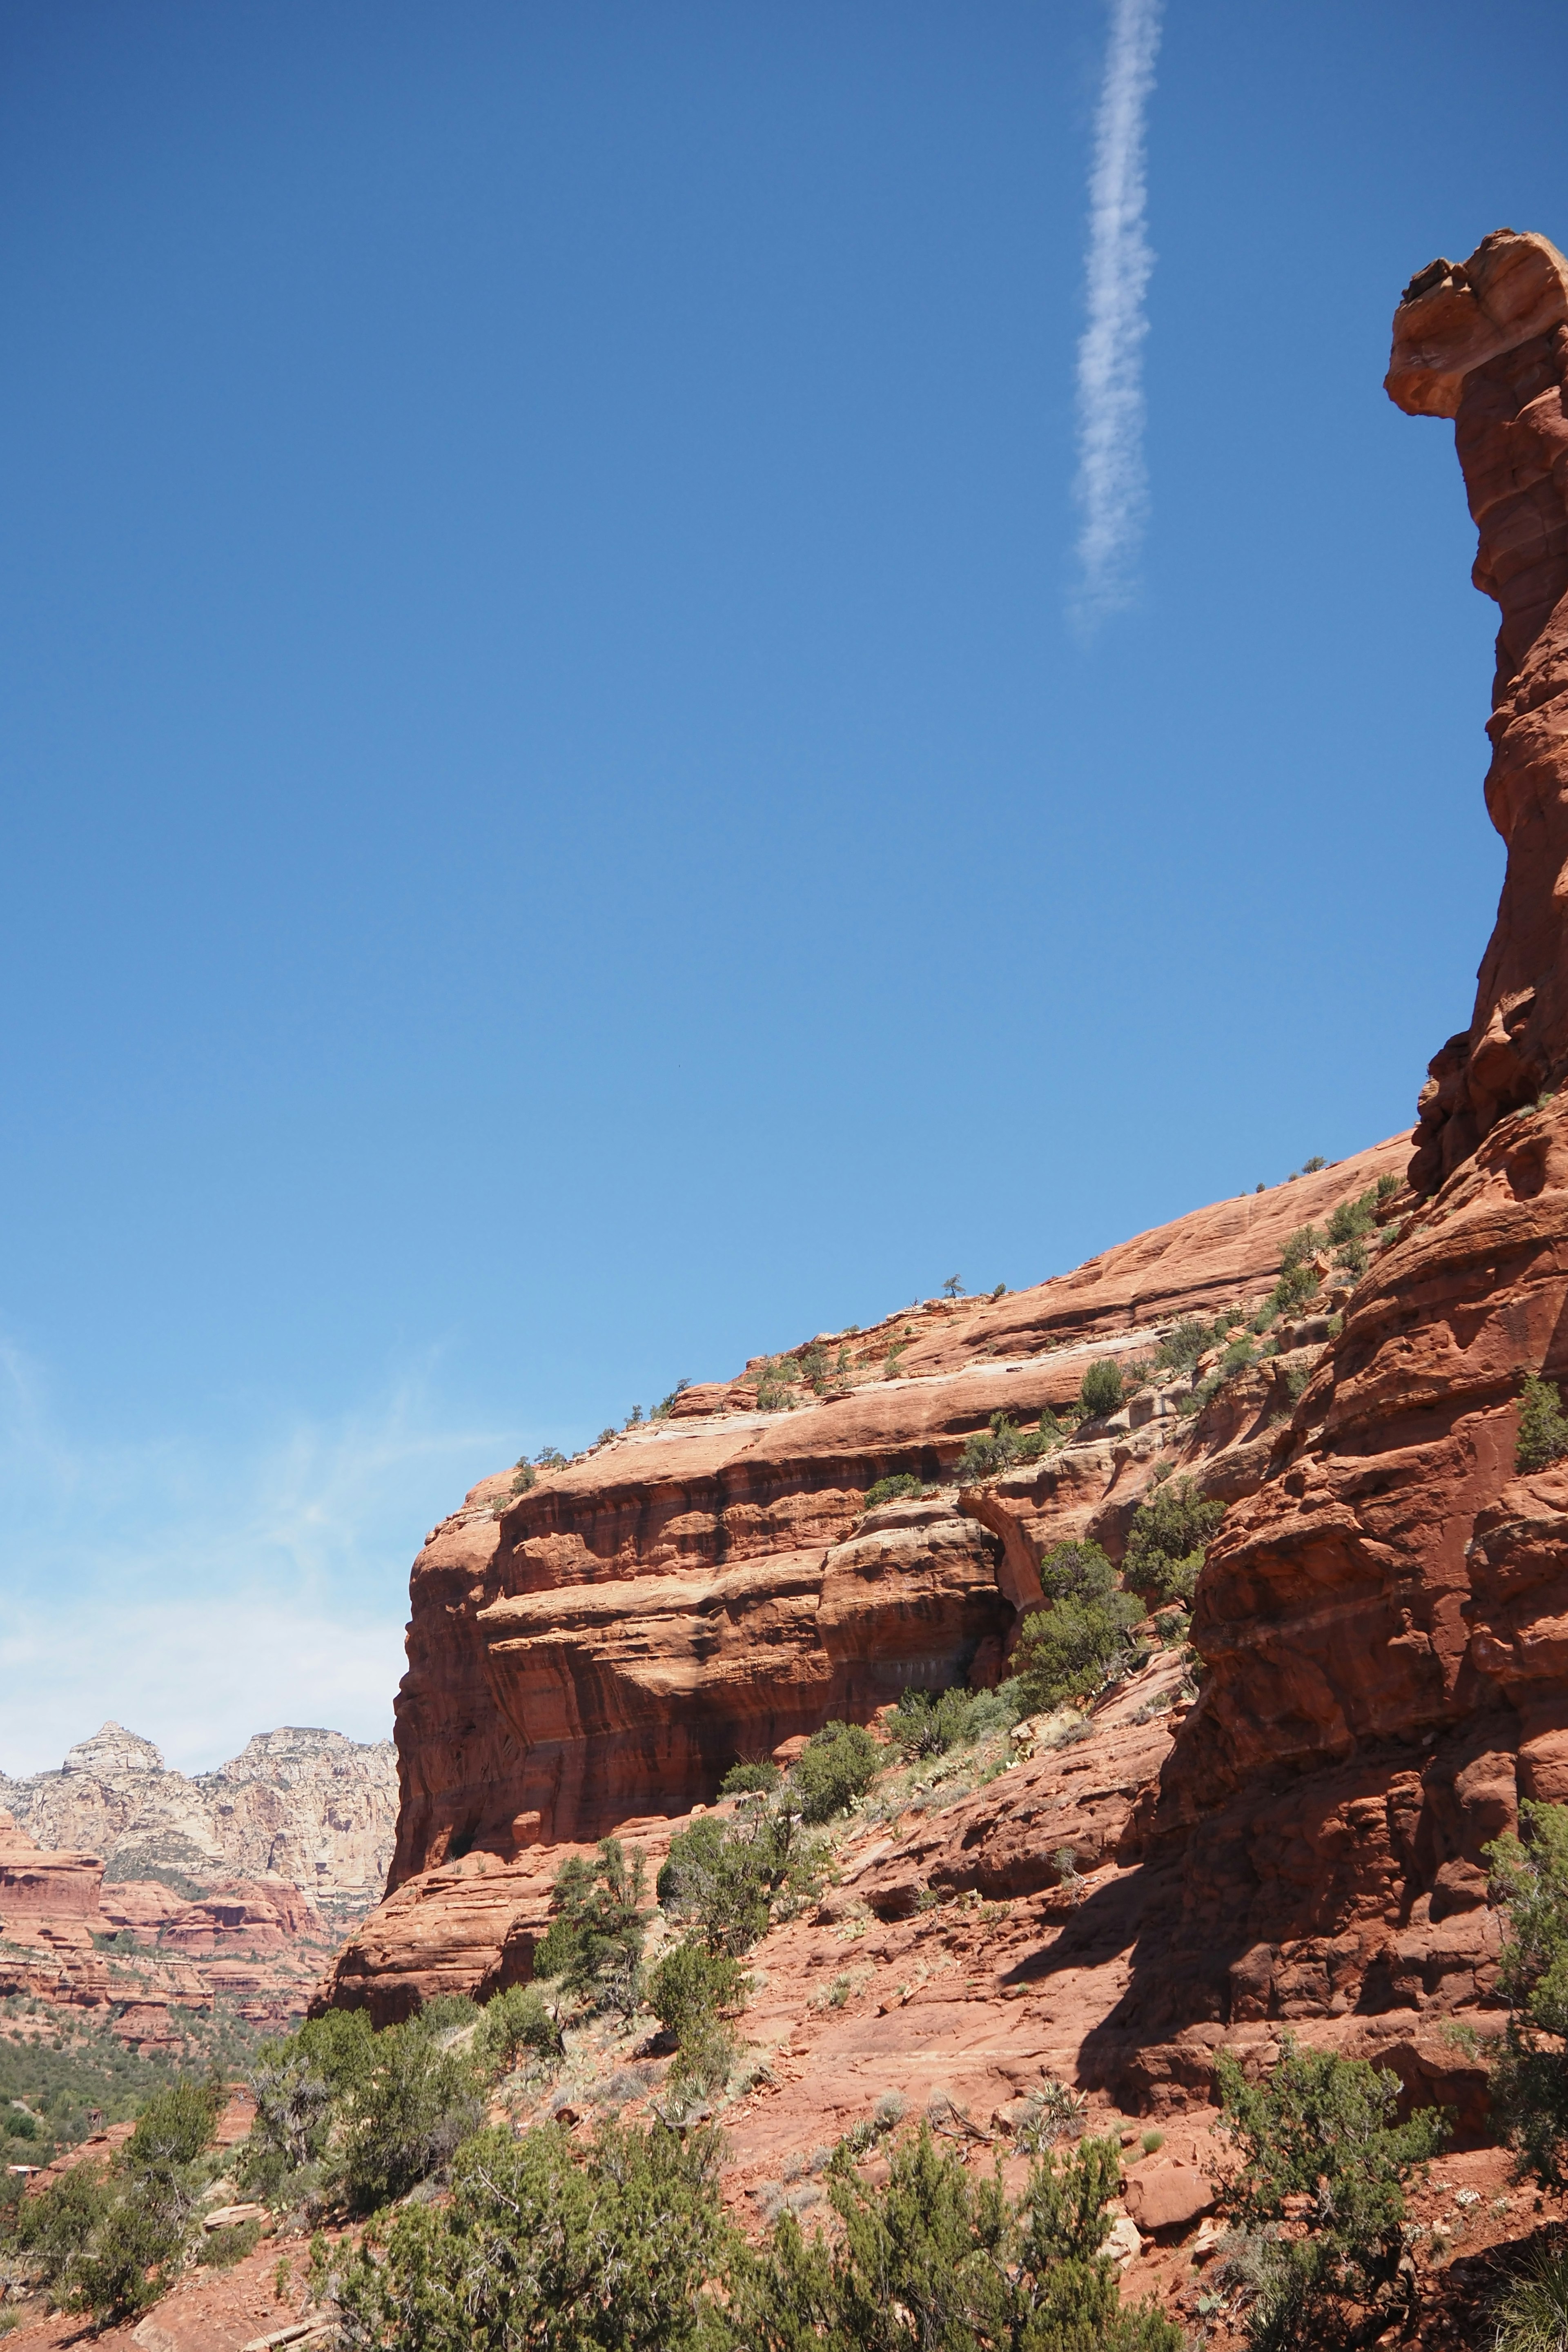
x=404, y=2118
x=517, y=2024
x=219, y=2250
x=595, y=1942
x=1077, y=1571
x=1043, y=1440
x=1533, y=2315
x=1542, y=1425
x=902, y=1485
x=110, y=2239
x=1387, y=1185
x=449, y=2012
x=1070, y=1651
x=1170, y=1534
x=937, y=2260
x=1303, y=1244
x=729, y=1877
x=539, y=2249
x=1323, y=2127
x=299, y=2082
x=838, y=1765
x=693, y=1986
x=1529, y=2079
x=1353, y=1219
x=1101, y=1391
x=774, y=1391
x=525, y=1475
x=1352, y=1259
x=1183, y=1343
x=927, y=1723
x=752, y=1778
x=985, y=1455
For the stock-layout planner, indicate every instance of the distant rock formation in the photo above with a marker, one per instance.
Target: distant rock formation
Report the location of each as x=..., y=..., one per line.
x=311, y=1807
x=1486, y=343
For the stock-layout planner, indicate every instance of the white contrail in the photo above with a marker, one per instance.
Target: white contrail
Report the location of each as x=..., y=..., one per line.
x=1113, y=484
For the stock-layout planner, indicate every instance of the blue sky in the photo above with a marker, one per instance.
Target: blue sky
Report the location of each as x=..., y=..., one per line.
x=558, y=830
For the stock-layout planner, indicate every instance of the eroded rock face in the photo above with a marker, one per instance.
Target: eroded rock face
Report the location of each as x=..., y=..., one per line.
x=1486, y=343
x=707, y=1587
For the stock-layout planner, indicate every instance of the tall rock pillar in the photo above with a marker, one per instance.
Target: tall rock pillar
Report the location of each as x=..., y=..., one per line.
x=1486, y=343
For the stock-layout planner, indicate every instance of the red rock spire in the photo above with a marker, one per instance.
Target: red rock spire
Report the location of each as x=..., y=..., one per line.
x=1486, y=343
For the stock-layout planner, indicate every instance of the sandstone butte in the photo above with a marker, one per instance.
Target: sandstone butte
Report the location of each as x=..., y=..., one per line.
x=1382, y=1617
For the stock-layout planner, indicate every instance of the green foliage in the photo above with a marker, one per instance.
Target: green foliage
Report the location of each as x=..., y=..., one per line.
x=595, y=1942
x=731, y=1877
x=774, y=1381
x=525, y=1475
x=1078, y=1571
x=1101, y=1391
x=751, y=1778
x=1533, y=2315
x=1529, y=2079
x=299, y=2082
x=517, y=2024
x=1168, y=1539
x=1353, y=1219
x=219, y=2250
x=539, y=2249
x=693, y=1986
x=1043, y=1440
x=839, y=1764
x=1310, y=1167
x=449, y=2012
x=927, y=1723
x=661, y=1410
x=1185, y=1343
x=951, y=1286
x=1542, y=1425
x=986, y=1453
x=935, y=2262
x=62, y=2086
x=1387, y=1185
x=404, y=2115
x=1070, y=1651
x=903, y=1483
x=813, y=1366
x=1303, y=1244
x=111, y=2238
x=1323, y=2127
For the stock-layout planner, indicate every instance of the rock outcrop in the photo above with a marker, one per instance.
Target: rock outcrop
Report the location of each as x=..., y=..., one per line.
x=1486, y=343
x=606, y=1644
x=311, y=1807
x=48, y=1913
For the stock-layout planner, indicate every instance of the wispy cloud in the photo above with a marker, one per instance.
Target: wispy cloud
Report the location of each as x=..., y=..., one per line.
x=1112, y=481
x=201, y=1594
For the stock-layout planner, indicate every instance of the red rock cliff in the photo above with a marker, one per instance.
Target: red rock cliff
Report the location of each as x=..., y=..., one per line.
x=1486, y=343
x=706, y=1586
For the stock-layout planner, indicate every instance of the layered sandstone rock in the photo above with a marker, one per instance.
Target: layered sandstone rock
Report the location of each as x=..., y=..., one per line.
x=705, y=1587
x=308, y=1806
x=48, y=1913
x=1486, y=343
